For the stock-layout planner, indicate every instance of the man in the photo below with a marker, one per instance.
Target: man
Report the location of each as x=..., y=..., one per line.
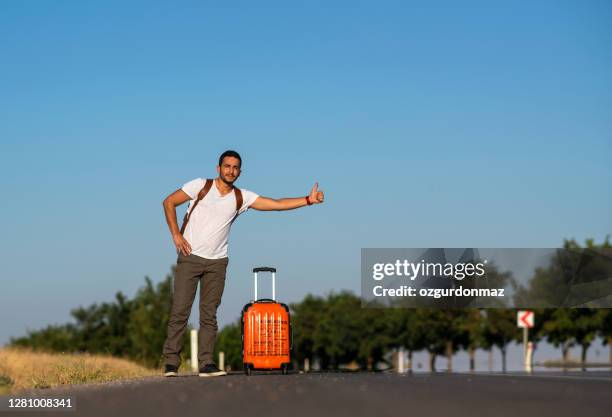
x=201, y=245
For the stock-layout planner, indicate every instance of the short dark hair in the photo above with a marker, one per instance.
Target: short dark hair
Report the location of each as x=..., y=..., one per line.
x=232, y=154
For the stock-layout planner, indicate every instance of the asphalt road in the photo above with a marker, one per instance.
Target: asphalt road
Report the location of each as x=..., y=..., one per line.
x=345, y=394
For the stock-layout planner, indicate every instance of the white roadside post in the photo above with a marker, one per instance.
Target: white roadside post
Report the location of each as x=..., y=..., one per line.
x=526, y=319
x=400, y=361
x=222, y=361
x=194, y=350
x=528, y=359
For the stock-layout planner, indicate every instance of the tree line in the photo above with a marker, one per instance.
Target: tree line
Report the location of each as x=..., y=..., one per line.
x=130, y=328
x=333, y=330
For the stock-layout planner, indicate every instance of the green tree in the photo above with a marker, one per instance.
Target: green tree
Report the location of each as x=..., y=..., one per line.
x=375, y=337
x=135, y=328
x=305, y=317
x=229, y=341
x=406, y=331
x=437, y=332
x=605, y=331
x=54, y=338
x=338, y=332
x=499, y=330
x=148, y=322
x=559, y=329
x=470, y=326
x=587, y=325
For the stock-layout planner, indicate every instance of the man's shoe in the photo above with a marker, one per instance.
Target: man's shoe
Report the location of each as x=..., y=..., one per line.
x=211, y=370
x=171, y=370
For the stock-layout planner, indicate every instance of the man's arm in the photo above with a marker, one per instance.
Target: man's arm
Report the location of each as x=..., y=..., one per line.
x=267, y=204
x=176, y=199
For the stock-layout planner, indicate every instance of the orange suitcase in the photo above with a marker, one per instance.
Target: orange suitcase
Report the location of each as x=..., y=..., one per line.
x=266, y=332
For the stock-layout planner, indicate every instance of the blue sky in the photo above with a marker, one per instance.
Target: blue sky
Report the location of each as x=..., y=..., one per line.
x=427, y=124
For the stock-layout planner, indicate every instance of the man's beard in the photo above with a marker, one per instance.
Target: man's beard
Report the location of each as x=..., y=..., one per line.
x=228, y=182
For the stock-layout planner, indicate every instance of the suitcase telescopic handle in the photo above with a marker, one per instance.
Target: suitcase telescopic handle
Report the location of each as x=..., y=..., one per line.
x=265, y=269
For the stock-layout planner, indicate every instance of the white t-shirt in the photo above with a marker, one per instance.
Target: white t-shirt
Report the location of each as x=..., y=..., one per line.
x=208, y=229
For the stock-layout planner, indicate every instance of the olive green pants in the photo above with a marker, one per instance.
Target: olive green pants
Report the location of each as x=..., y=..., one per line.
x=210, y=274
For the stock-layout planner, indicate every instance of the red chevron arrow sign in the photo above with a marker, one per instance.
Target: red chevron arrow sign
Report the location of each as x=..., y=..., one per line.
x=525, y=318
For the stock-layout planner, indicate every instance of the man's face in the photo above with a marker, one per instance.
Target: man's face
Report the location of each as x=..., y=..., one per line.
x=229, y=171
